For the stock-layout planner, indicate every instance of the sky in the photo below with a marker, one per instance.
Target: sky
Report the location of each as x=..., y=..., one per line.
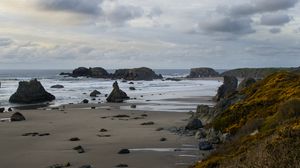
x=64, y=34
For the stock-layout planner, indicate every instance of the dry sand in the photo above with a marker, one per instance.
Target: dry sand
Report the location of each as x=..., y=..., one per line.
x=19, y=151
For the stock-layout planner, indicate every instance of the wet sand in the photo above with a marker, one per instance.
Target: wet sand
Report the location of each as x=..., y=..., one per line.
x=100, y=152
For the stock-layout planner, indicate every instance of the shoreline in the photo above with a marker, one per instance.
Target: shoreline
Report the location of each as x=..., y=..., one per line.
x=78, y=121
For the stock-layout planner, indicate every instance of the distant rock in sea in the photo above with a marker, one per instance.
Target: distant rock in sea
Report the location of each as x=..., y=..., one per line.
x=31, y=92
x=202, y=72
x=117, y=95
x=57, y=86
x=142, y=73
x=96, y=72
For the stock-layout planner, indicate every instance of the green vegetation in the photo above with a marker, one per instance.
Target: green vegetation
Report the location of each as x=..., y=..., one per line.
x=265, y=126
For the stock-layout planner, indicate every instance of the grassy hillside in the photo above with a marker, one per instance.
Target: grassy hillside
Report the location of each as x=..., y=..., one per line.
x=265, y=126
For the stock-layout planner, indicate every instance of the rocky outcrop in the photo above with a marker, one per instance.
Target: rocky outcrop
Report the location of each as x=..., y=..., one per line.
x=142, y=73
x=117, y=95
x=194, y=124
x=31, y=92
x=246, y=83
x=257, y=73
x=203, y=72
x=96, y=72
x=229, y=87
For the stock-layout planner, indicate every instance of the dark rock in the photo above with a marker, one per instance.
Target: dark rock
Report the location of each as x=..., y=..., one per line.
x=65, y=74
x=122, y=165
x=121, y=116
x=142, y=73
x=246, y=83
x=173, y=79
x=74, y=139
x=200, y=134
x=131, y=83
x=163, y=139
x=159, y=129
x=95, y=93
x=228, y=88
x=93, y=108
x=96, y=72
x=104, y=136
x=9, y=109
x=203, y=72
x=132, y=88
x=60, y=165
x=117, y=95
x=103, y=130
x=31, y=92
x=144, y=115
x=86, y=166
x=79, y=149
x=194, y=124
x=44, y=134
x=124, y=151
x=2, y=110
x=148, y=123
x=57, y=86
x=81, y=71
x=105, y=95
x=85, y=101
x=133, y=106
x=93, y=99
x=31, y=134
x=205, y=145
x=17, y=117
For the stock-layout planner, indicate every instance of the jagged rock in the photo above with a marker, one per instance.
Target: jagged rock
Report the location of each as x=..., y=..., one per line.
x=214, y=136
x=142, y=73
x=200, y=134
x=194, y=124
x=57, y=86
x=203, y=72
x=31, y=92
x=229, y=87
x=117, y=95
x=205, y=145
x=17, y=117
x=95, y=93
x=246, y=83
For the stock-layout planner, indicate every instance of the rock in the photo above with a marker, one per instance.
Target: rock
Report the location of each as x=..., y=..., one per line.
x=121, y=116
x=148, y=123
x=2, y=110
x=96, y=72
x=173, y=79
x=85, y=166
x=79, y=149
x=103, y=130
x=57, y=86
x=95, y=93
x=225, y=137
x=85, y=101
x=117, y=95
x=246, y=83
x=132, y=88
x=144, y=115
x=122, y=165
x=124, y=151
x=200, y=134
x=31, y=92
x=163, y=139
x=17, y=117
x=60, y=165
x=44, y=134
x=9, y=109
x=194, y=124
x=214, y=136
x=203, y=72
x=74, y=139
x=130, y=83
x=159, y=129
x=205, y=145
x=81, y=71
x=228, y=88
x=133, y=106
x=142, y=73
x=93, y=108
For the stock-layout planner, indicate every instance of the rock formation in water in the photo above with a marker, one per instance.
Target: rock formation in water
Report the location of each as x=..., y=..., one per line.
x=142, y=73
x=202, y=72
x=31, y=92
x=117, y=95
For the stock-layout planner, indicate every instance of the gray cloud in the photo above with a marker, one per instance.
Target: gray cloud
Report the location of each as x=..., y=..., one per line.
x=262, y=6
x=89, y=7
x=155, y=11
x=274, y=19
x=275, y=30
x=5, y=42
x=228, y=25
x=121, y=13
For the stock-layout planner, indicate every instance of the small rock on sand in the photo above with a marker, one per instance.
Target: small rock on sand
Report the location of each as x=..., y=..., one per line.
x=74, y=139
x=85, y=166
x=17, y=117
x=148, y=123
x=60, y=165
x=122, y=165
x=79, y=149
x=163, y=139
x=2, y=110
x=124, y=151
x=133, y=106
x=159, y=129
x=103, y=130
x=85, y=101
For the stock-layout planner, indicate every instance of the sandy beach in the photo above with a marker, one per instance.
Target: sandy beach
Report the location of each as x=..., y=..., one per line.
x=100, y=151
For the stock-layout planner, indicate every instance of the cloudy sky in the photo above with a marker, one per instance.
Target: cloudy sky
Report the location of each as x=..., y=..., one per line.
x=56, y=34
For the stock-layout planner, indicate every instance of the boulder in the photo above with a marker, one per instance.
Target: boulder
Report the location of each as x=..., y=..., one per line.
x=17, y=117
x=85, y=101
x=246, y=83
x=205, y=145
x=2, y=110
x=194, y=124
x=132, y=88
x=117, y=95
x=31, y=92
x=142, y=73
x=202, y=72
x=229, y=87
x=124, y=151
x=95, y=93
x=57, y=86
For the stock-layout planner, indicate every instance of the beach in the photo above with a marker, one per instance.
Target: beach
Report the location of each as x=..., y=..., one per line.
x=100, y=151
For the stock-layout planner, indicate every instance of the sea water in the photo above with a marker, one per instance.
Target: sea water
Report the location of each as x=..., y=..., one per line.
x=157, y=95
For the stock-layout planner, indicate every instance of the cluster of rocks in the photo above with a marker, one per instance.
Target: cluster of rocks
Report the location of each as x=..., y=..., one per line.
x=142, y=73
x=202, y=72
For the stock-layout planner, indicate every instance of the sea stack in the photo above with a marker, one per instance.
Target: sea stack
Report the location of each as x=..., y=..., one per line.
x=229, y=86
x=117, y=95
x=29, y=92
x=202, y=73
x=142, y=73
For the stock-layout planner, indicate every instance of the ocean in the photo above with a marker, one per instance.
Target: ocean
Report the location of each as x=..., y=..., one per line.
x=155, y=95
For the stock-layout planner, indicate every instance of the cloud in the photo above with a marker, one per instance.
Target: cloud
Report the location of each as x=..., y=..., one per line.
x=261, y=6
x=274, y=19
x=89, y=7
x=228, y=25
x=5, y=42
x=155, y=11
x=275, y=30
